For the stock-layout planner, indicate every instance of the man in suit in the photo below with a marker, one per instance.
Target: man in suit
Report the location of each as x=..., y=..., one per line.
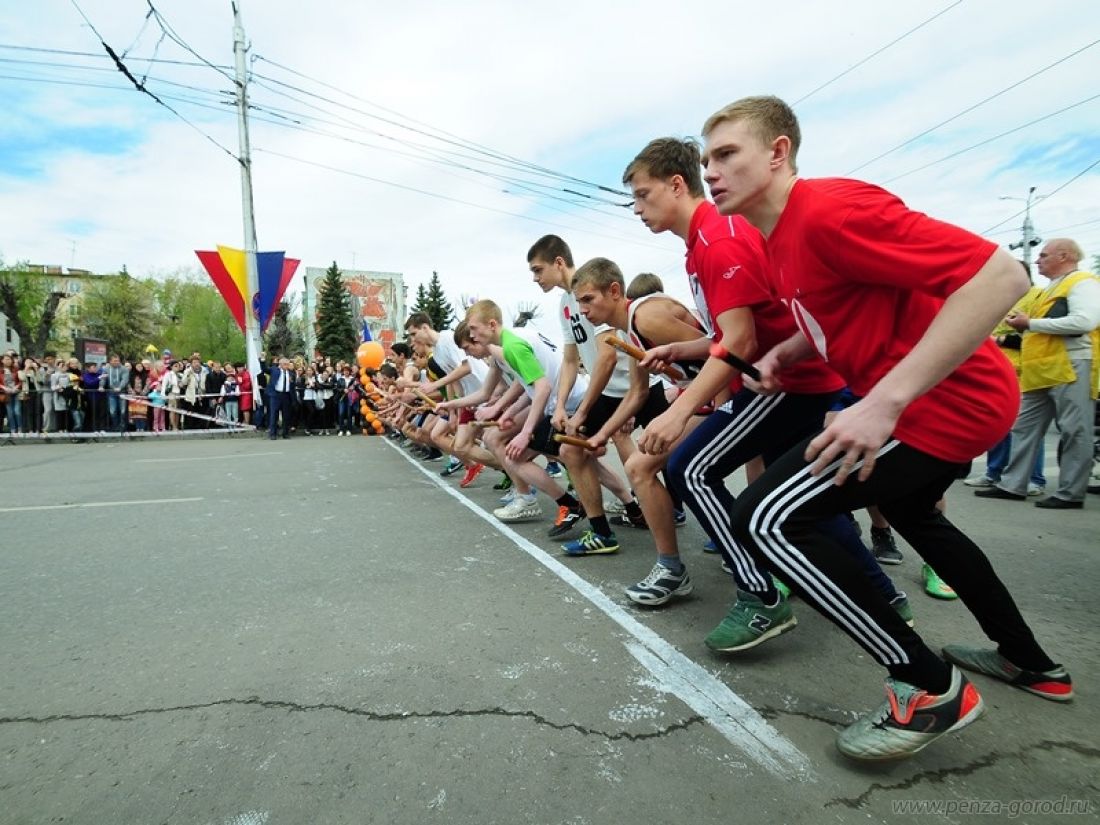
x=280, y=394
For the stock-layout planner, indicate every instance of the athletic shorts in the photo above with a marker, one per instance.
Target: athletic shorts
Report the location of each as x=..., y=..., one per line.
x=655, y=403
x=542, y=439
x=465, y=415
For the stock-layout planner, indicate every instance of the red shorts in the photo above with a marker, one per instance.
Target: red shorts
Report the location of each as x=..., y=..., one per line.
x=465, y=415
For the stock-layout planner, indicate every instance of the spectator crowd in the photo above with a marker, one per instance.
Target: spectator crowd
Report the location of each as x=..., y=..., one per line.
x=51, y=397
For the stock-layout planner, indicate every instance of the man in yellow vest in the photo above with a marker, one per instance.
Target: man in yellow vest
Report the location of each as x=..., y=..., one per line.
x=1059, y=356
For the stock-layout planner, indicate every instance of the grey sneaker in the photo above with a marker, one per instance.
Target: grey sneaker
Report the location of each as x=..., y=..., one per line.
x=659, y=587
x=979, y=481
x=521, y=508
x=884, y=547
x=1054, y=684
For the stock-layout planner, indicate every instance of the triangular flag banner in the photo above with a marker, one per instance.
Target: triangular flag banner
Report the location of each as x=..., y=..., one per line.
x=269, y=272
x=236, y=264
x=290, y=266
x=215, y=268
x=366, y=332
x=228, y=269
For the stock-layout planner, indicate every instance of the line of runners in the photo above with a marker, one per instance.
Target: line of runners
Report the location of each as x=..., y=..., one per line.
x=875, y=384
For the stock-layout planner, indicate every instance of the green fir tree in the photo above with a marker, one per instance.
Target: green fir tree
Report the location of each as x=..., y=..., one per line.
x=337, y=336
x=282, y=338
x=433, y=302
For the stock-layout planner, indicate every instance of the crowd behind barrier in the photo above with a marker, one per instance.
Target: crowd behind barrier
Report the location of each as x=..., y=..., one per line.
x=55, y=397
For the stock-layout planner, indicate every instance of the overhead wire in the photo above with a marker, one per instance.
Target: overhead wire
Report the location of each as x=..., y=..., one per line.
x=430, y=131
x=441, y=158
x=876, y=53
x=443, y=197
x=172, y=35
x=1048, y=196
x=140, y=87
x=974, y=106
x=981, y=143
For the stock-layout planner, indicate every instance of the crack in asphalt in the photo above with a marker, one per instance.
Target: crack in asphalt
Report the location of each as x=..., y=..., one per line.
x=295, y=707
x=942, y=774
x=771, y=713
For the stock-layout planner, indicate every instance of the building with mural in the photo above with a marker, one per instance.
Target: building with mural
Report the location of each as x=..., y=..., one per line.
x=377, y=302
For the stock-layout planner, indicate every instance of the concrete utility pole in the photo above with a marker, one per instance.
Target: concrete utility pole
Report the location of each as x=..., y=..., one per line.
x=251, y=321
x=1029, y=239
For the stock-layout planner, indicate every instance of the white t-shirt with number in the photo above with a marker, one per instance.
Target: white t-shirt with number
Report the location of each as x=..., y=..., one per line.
x=575, y=328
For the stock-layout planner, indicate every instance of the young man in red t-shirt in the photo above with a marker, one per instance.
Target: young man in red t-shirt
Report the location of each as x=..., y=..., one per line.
x=726, y=263
x=901, y=306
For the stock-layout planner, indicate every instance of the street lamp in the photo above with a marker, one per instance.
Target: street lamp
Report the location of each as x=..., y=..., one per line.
x=1029, y=239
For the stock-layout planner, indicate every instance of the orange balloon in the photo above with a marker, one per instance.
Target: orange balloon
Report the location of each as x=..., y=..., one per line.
x=370, y=355
x=378, y=428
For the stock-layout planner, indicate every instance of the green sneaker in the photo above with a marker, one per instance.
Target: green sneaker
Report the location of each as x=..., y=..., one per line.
x=910, y=720
x=505, y=483
x=591, y=544
x=781, y=586
x=936, y=587
x=749, y=623
x=902, y=608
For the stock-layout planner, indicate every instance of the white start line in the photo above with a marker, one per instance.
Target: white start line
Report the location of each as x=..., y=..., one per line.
x=689, y=681
x=98, y=504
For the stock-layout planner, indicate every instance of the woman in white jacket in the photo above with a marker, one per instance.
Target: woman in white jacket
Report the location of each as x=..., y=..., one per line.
x=170, y=389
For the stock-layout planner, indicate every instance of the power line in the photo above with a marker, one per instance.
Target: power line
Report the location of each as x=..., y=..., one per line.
x=977, y=105
x=876, y=53
x=1048, y=196
x=448, y=198
x=53, y=64
x=140, y=86
x=441, y=158
x=98, y=56
x=1053, y=229
x=167, y=29
x=436, y=134
x=995, y=137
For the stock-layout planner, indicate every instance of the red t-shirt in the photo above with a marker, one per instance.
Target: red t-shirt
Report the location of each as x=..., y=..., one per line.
x=865, y=276
x=727, y=268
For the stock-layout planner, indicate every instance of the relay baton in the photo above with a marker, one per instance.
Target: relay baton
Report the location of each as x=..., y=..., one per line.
x=573, y=440
x=634, y=352
x=719, y=351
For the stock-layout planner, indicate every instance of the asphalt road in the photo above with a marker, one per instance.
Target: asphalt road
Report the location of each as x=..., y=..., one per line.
x=247, y=632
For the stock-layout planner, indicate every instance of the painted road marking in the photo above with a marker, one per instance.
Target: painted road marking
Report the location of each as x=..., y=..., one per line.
x=98, y=504
x=204, y=457
x=693, y=684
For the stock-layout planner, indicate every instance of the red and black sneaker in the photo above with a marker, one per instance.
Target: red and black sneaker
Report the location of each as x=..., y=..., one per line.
x=1054, y=684
x=911, y=719
x=568, y=518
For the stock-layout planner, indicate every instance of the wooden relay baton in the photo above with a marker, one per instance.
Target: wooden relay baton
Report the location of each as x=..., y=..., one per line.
x=634, y=352
x=561, y=438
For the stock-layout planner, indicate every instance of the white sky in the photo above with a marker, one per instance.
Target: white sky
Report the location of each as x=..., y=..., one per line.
x=99, y=178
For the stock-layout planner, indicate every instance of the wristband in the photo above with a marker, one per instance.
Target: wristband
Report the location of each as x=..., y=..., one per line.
x=719, y=351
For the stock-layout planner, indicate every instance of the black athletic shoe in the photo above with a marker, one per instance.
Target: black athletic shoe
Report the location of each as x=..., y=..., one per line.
x=884, y=546
x=568, y=518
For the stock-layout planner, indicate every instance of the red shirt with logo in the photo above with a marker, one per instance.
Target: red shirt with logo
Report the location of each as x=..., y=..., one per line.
x=865, y=276
x=727, y=268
